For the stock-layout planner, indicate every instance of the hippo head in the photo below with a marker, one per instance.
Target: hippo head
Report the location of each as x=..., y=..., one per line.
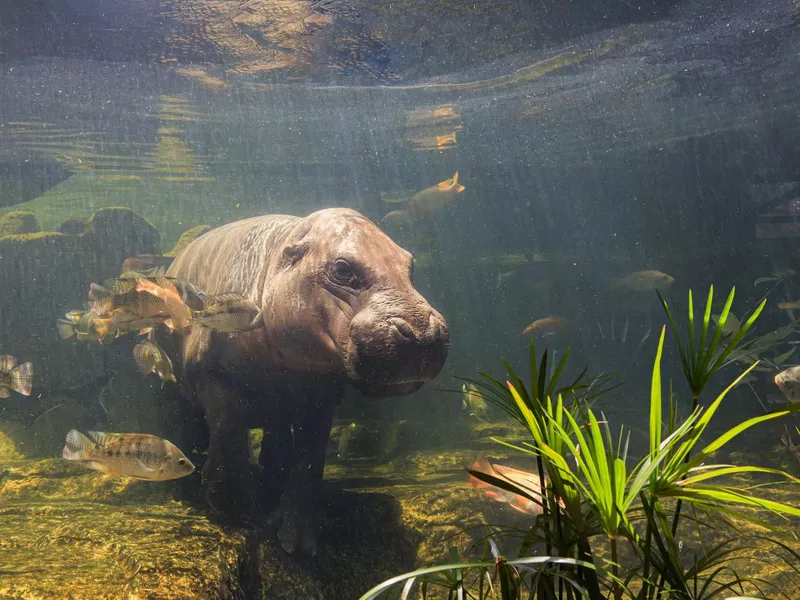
x=347, y=303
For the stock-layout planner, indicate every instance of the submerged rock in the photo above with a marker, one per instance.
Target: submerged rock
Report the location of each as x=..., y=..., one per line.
x=18, y=222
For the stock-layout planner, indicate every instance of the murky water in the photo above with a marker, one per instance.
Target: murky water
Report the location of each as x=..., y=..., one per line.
x=604, y=151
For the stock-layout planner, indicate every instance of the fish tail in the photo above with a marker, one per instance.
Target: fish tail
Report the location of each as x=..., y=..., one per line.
x=65, y=329
x=22, y=379
x=77, y=446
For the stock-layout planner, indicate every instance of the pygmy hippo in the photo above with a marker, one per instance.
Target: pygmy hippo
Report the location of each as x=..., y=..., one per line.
x=339, y=307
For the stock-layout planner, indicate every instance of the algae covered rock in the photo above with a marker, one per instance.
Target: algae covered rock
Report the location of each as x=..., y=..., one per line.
x=113, y=234
x=18, y=222
x=46, y=274
x=187, y=238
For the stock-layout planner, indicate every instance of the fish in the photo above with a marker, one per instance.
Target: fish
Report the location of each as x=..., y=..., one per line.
x=430, y=199
x=789, y=305
x=731, y=326
x=136, y=455
x=643, y=281
x=166, y=291
x=547, y=325
x=104, y=301
x=527, y=482
x=151, y=358
x=788, y=382
x=151, y=264
x=78, y=323
x=228, y=313
x=343, y=447
x=15, y=377
x=473, y=402
x=776, y=277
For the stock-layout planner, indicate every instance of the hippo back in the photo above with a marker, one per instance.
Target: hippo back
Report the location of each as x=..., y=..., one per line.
x=234, y=257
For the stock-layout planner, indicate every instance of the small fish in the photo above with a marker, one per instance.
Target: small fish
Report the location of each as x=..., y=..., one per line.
x=528, y=483
x=136, y=455
x=732, y=324
x=473, y=402
x=13, y=377
x=166, y=291
x=343, y=447
x=77, y=323
x=151, y=358
x=152, y=265
x=547, y=325
x=776, y=277
x=788, y=382
x=643, y=281
x=104, y=301
x=430, y=199
x=789, y=305
x=228, y=313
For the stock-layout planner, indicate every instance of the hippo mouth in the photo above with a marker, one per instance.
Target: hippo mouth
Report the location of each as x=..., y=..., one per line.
x=395, y=358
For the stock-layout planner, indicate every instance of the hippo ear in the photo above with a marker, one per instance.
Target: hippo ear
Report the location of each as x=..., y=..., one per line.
x=294, y=252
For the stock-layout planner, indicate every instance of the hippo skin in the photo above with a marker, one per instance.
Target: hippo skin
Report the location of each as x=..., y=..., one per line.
x=339, y=307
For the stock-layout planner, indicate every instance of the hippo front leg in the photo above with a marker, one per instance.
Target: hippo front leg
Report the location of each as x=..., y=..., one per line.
x=226, y=471
x=297, y=514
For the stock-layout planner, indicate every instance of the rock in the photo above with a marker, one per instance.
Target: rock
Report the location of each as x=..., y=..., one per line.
x=113, y=234
x=46, y=274
x=18, y=222
x=187, y=238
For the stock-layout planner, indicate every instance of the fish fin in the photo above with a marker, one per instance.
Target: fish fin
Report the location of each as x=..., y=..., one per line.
x=98, y=437
x=145, y=361
x=22, y=379
x=396, y=197
x=145, y=468
x=256, y=322
x=77, y=446
x=4, y=392
x=7, y=362
x=170, y=324
x=65, y=329
x=145, y=331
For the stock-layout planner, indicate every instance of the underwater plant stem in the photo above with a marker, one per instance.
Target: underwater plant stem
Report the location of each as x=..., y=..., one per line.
x=677, y=515
x=589, y=575
x=615, y=569
x=648, y=538
x=545, y=584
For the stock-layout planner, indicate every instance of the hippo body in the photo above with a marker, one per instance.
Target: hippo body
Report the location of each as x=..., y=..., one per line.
x=339, y=308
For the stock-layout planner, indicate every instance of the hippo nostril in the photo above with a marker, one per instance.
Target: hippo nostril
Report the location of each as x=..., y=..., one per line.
x=403, y=328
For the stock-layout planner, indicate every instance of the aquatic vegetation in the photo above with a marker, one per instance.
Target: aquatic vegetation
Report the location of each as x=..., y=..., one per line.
x=702, y=358
x=612, y=521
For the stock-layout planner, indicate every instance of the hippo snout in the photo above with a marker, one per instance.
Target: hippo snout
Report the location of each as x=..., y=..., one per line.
x=432, y=332
x=395, y=355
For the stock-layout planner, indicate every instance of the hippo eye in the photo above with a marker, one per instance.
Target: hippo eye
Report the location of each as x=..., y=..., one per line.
x=343, y=273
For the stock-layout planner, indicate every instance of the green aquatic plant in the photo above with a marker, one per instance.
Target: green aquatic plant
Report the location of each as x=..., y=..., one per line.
x=595, y=509
x=701, y=356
